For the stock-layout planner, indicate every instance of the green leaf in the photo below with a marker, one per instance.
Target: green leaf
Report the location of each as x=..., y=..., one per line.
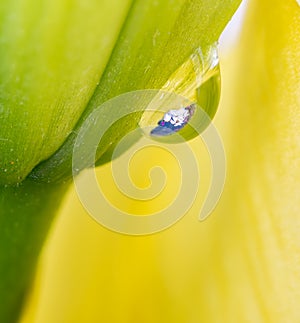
x=26, y=212
x=52, y=54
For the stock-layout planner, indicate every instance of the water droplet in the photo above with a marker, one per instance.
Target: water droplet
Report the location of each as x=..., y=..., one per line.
x=197, y=85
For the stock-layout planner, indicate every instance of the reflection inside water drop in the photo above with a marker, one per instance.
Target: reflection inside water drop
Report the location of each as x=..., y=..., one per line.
x=173, y=120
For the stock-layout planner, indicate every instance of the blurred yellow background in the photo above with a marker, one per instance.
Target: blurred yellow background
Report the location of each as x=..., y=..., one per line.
x=242, y=263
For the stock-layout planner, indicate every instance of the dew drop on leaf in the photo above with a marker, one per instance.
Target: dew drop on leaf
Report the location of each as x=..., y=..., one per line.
x=197, y=83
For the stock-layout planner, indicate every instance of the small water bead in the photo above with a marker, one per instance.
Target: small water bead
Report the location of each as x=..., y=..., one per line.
x=194, y=86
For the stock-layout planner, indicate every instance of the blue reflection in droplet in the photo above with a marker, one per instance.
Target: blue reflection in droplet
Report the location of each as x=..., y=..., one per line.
x=173, y=121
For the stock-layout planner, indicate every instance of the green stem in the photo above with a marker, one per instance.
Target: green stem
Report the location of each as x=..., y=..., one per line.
x=26, y=213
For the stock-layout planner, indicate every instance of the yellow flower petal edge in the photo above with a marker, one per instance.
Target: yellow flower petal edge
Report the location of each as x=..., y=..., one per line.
x=242, y=264
x=260, y=207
